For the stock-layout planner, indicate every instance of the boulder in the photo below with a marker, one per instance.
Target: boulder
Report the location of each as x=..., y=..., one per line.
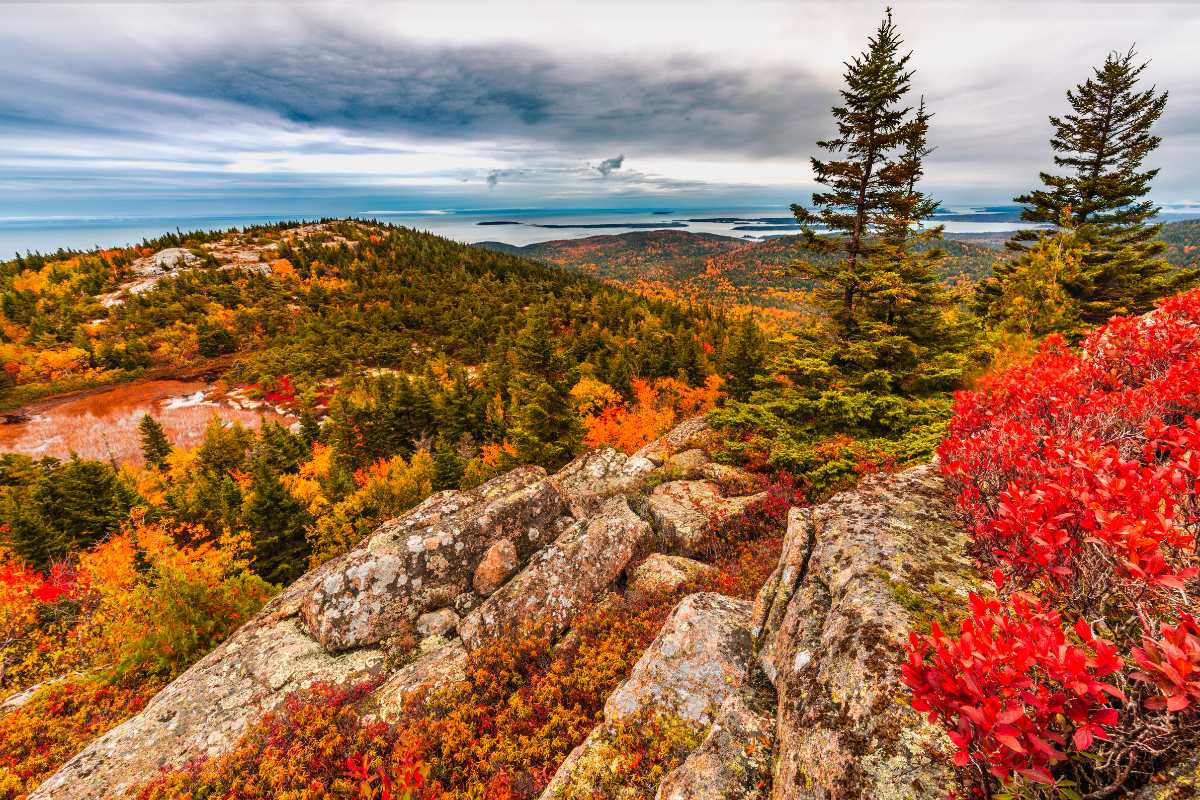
x=443, y=663
x=437, y=623
x=497, y=566
x=687, y=464
x=856, y=574
x=686, y=511
x=1180, y=782
x=562, y=578
x=172, y=258
x=597, y=475
x=732, y=763
x=702, y=655
x=425, y=559
x=662, y=574
x=700, y=668
x=733, y=481
x=689, y=434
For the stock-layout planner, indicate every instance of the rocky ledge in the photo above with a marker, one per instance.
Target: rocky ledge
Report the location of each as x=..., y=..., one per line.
x=793, y=696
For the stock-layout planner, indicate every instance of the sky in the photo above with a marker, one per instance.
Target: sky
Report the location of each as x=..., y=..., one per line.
x=138, y=107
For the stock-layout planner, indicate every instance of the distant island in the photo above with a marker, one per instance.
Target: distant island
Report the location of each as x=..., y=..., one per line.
x=655, y=225
x=732, y=220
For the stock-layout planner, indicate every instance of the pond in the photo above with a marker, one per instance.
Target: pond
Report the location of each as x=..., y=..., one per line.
x=103, y=423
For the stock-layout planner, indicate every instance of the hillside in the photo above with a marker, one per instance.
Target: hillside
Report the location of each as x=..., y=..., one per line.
x=662, y=625
x=733, y=272
x=573, y=643
x=702, y=267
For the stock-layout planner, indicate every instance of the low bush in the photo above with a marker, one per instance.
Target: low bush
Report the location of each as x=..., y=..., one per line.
x=1078, y=474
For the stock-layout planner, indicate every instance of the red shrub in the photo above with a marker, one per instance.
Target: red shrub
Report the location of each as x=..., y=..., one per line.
x=1078, y=475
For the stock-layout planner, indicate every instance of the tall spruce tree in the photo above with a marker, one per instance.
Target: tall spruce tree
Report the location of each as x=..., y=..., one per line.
x=883, y=292
x=542, y=423
x=277, y=523
x=1101, y=146
x=868, y=126
x=871, y=204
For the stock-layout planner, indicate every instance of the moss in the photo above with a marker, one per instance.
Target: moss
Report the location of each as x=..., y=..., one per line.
x=628, y=759
x=935, y=601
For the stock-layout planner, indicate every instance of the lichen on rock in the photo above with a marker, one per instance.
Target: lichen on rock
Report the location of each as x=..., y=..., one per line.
x=830, y=629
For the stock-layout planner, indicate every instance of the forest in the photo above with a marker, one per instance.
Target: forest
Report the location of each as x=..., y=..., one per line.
x=1064, y=421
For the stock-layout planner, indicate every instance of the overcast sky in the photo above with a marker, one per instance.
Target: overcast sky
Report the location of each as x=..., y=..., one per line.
x=135, y=107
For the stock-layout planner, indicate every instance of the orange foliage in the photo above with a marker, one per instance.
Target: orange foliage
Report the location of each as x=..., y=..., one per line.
x=134, y=612
x=657, y=406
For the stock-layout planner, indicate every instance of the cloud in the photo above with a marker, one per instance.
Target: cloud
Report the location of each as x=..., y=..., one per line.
x=606, y=166
x=509, y=99
x=333, y=79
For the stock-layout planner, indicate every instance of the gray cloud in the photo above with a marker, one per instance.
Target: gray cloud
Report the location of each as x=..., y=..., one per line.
x=193, y=98
x=328, y=78
x=606, y=166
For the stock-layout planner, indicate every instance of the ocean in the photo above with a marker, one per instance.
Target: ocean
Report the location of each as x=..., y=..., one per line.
x=512, y=226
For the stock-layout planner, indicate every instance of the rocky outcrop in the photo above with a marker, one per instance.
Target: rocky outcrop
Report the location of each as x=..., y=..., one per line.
x=597, y=475
x=733, y=762
x=427, y=559
x=685, y=512
x=561, y=579
x=692, y=434
x=206, y=709
x=856, y=574
x=1180, y=782
x=796, y=695
x=443, y=663
x=662, y=574
x=419, y=563
x=701, y=669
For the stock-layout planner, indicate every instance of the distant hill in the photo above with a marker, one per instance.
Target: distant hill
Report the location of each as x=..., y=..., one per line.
x=751, y=273
x=711, y=268
x=1183, y=242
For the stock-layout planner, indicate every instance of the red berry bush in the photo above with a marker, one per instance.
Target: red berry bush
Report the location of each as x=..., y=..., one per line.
x=1078, y=475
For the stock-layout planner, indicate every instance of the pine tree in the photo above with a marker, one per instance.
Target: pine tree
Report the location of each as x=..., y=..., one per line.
x=883, y=293
x=155, y=446
x=277, y=523
x=746, y=358
x=1101, y=146
x=541, y=419
x=864, y=186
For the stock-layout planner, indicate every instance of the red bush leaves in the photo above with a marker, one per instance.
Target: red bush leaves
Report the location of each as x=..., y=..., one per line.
x=1078, y=475
x=1012, y=688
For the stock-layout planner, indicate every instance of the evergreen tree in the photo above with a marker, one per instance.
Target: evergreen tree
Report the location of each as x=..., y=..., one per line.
x=864, y=185
x=280, y=449
x=447, y=465
x=59, y=508
x=1101, y=146
x=541, y=419
x=213, y=340
x=747, y=357
x=310, y=428
x=155, y=446
x=883, y=293
x=276, y=521
x=1031, y=299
